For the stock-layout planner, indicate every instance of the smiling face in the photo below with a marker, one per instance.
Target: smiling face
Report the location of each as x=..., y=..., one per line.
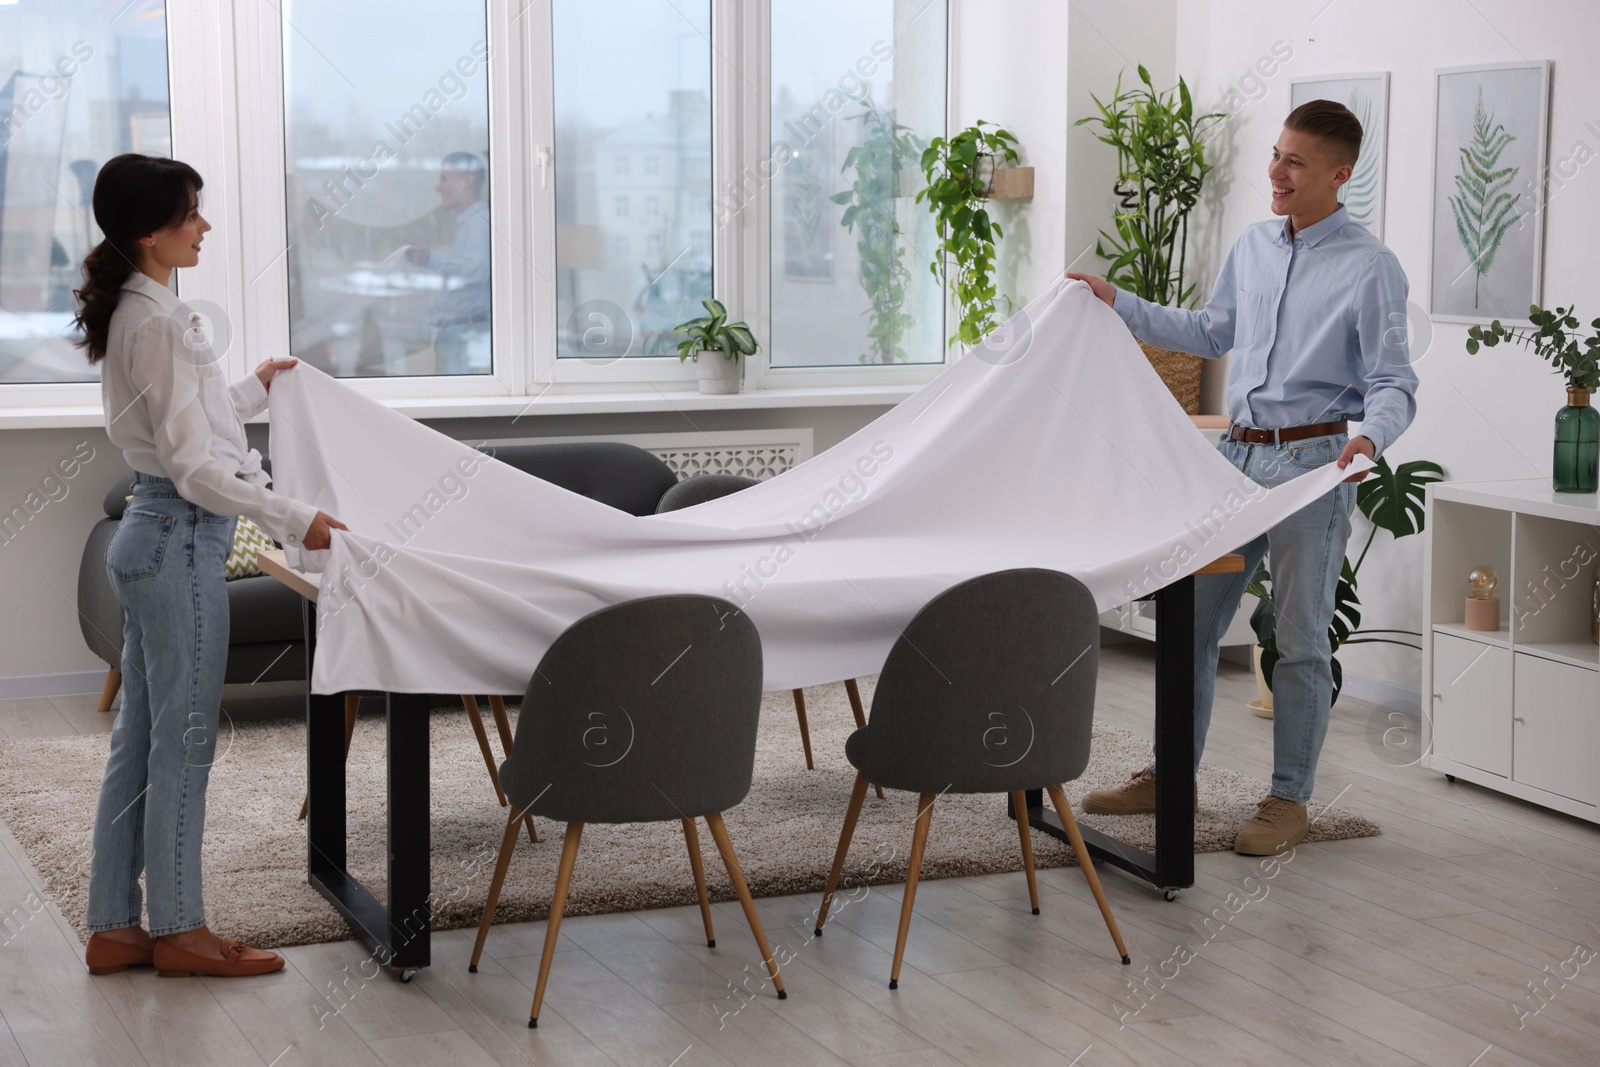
x=177, y=245
x=1305, y=175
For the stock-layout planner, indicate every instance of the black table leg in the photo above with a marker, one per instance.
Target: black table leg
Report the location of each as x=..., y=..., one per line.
x=409, y=832
x=397, y=933
x=1171, y=867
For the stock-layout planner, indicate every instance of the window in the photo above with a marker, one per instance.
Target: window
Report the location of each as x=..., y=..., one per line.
x=853, y=80
x=652, y=166
x=661, y=111
x=622, y=166
x=389, y=231
x=77, y=86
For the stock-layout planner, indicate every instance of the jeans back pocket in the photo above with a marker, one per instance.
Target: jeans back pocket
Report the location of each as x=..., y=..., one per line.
x=140, y=543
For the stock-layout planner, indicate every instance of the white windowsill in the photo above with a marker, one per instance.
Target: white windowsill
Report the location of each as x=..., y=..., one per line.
x=548, y=404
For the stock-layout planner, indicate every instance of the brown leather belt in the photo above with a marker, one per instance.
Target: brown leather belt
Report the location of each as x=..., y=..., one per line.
x=1254, y=436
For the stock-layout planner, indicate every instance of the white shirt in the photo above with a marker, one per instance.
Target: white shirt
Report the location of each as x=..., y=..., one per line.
x=171, y=411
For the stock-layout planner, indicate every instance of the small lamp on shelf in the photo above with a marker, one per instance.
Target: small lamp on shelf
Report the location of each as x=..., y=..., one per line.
x=1483, y=607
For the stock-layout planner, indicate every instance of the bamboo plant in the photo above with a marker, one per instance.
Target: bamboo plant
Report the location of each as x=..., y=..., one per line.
x=1161, y=163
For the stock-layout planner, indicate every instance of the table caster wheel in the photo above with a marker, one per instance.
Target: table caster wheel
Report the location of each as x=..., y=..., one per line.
x=1450, y=778
x=1170, y=895
x=407, y=975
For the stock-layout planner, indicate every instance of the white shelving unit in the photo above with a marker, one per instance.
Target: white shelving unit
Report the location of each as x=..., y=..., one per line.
x=1516, y=709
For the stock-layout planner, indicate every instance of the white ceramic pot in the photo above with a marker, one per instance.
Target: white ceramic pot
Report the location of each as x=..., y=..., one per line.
x=719, y=374
x=1263, y=705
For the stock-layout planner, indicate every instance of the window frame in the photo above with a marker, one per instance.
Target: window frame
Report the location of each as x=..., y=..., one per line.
x=226, y=79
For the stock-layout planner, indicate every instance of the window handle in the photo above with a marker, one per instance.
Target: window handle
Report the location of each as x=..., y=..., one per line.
x=543, y=156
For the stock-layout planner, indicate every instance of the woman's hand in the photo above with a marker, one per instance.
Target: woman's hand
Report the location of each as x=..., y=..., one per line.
x=318, y=536
x=270, y=369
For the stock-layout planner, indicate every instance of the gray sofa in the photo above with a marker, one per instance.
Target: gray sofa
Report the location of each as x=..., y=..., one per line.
x=265, y=630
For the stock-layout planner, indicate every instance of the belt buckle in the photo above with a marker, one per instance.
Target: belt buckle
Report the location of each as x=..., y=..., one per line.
x=1277, y=437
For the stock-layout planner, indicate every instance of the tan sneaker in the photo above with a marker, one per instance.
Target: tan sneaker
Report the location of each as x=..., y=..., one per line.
x=1136, y=795
x=1279, y=825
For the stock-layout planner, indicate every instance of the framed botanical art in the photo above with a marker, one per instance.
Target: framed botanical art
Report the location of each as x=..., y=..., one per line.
x=1367, y=96
x=1489, y=136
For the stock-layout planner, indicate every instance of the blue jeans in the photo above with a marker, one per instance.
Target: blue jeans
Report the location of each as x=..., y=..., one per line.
x=1307, y=554
x=166, y=565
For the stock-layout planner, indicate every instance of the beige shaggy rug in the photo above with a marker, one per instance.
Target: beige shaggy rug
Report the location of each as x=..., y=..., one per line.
x=785, y=831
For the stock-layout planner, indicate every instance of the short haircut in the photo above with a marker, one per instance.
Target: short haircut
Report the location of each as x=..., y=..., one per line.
x=1333, y=122
x=467, y=163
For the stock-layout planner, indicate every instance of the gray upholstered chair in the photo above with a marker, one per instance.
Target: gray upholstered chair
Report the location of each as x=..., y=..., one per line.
x=703, y=487
x=990, y=689
x=641, y=712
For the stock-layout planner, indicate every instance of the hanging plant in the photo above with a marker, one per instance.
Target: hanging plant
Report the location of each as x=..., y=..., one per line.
x=886, y=151
x=964, y=256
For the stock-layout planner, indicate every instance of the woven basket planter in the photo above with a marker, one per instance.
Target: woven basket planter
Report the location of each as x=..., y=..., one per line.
x=1180, y=371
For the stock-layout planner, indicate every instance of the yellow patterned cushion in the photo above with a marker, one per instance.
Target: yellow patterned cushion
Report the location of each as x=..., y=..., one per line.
x=248, y=539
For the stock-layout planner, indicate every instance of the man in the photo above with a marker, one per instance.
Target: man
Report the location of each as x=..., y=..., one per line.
x=460, y=316
x=1313, y=309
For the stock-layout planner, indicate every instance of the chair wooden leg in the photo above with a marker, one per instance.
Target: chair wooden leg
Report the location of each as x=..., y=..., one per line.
x=352, y=705
x=109, y=693
x=508, y=844
x=805, y=731
x=691, y=837
x=558, y=904
x=919, y=843
x=1070, y=824
x=1019, y=804
x=860, y=713
x=502, y=725
x=470, y=702
x=858, y=796
x=719, y=833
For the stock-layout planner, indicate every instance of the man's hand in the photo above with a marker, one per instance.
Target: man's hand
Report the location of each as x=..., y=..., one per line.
x=1362, y=445
x=418, y=255
x=269, y=370
x=1102, y=288
x=318, y=537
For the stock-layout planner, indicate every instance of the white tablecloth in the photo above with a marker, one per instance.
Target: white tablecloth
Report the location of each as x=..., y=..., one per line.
x=1053, y=445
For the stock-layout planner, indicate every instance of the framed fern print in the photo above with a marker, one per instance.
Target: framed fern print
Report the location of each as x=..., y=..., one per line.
x=1490, y=125
x=1367, y=96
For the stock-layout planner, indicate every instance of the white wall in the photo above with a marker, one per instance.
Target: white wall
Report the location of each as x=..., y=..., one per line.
x=1481, y=417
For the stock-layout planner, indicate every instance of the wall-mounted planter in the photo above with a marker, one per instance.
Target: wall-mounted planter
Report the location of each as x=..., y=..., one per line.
x=1011, y=183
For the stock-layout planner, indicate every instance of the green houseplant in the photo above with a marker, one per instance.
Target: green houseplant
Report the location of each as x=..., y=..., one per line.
x=954, y=169
x=1392, y=499
x=714, y=334
x=887, y=151
x=1556, y=337
x=1159, y=139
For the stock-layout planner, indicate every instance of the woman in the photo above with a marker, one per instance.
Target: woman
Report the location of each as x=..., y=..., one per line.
x=181, y=429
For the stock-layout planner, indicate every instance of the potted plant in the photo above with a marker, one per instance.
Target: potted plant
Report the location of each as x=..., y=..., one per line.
x=881, y=162
x=717, y=345
x=1554, y=335
x=1161, y=164
x=959, y=171
x=1391, y=499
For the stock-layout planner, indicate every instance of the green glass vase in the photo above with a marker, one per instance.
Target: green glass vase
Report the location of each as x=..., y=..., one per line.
x=1577, y=445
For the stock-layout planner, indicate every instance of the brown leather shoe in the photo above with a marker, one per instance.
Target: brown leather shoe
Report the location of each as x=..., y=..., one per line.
x=1136, y=795
x=1279, y=825
x=106, y=955
x=238, y=961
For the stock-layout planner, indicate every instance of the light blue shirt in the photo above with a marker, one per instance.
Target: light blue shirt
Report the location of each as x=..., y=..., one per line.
x=1316, y=324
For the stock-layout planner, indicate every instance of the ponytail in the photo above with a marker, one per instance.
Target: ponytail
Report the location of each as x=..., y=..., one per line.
x=134, y=196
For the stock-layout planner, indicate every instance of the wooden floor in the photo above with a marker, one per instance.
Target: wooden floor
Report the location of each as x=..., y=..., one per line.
x=1424, y=945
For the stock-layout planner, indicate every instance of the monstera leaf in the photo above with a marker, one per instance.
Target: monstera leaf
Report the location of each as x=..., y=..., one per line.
x=1392, y=498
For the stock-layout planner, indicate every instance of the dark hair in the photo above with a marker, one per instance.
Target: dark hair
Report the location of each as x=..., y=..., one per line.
x=134, y=196
x=1339, y=129
x=467, y=163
